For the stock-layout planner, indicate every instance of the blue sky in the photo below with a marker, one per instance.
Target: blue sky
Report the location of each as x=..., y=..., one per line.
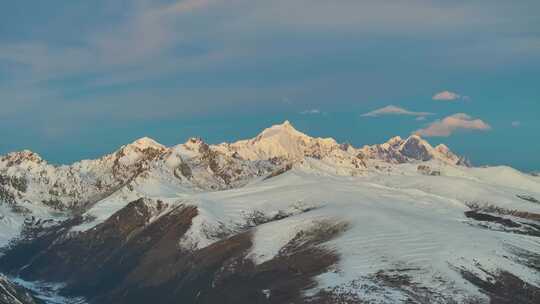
x=80, y=78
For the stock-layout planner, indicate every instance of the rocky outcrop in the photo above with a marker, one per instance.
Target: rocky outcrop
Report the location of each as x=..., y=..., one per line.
x=427, y=170
x=415, y=148
x=11, y=293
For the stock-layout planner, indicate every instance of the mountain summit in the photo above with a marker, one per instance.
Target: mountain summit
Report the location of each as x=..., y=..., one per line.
x=413, y=148
x=283, y=141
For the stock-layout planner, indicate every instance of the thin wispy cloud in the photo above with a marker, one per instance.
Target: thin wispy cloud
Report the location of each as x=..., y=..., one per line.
x=136, y=44
x=448, y=125
x=153, y=30
x=311, y=112
x=395, y=110
x=516, y=124
x=188, y=6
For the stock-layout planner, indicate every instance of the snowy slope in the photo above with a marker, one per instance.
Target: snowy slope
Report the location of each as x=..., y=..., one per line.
x=410, y=223
x=398, y=220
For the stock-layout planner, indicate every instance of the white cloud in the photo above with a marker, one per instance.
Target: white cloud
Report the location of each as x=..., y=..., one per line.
x=394, y=110
x=452, y=123
x=311, y=112
x=448, y=96
x=516, y=124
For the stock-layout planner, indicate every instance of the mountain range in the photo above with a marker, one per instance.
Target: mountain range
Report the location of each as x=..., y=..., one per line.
x=279, y=218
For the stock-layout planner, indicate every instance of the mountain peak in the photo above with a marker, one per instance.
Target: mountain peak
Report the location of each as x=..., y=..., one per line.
x=287, y=123
x=22, y=156
x=284, y=141
x=141, y=149
x=394, y=141
x=416, y=148
x=417, y=138
x=285, y=129
x=442, y=148
x=284, y=125
x=196, y=144
x=141, y=145
x=146, y=142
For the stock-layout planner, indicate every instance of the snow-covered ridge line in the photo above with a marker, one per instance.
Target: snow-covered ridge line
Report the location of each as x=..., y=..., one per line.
x=196, y=164
x=281, y=140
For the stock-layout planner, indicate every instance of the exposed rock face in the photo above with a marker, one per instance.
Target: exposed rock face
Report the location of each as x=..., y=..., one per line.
x=426, y=170
x=207, y=167
x=463, y=161
x=505, y=288
x=280, y=171
x=135, y=257
x=11, y=293
x=137, y=237
x=415, y=148
x=80, y=184
x=18, y=158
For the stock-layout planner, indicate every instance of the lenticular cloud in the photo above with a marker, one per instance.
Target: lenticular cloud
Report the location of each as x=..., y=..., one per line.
x=452, y=123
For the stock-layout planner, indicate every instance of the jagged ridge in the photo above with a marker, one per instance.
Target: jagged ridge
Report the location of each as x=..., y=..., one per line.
x=195, y=164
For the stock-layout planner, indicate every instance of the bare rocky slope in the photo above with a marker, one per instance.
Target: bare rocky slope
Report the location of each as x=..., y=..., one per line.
x=11, y=293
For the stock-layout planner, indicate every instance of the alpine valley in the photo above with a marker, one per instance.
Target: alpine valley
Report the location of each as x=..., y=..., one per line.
x=279, y=218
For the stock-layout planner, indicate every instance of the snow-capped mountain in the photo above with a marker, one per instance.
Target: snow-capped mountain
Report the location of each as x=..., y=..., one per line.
x=25, y=178
x=414, y=148
x=285, y=142
x=279, y=218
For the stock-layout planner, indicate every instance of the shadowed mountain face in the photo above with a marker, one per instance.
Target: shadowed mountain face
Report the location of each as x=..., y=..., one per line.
x=135, y=257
